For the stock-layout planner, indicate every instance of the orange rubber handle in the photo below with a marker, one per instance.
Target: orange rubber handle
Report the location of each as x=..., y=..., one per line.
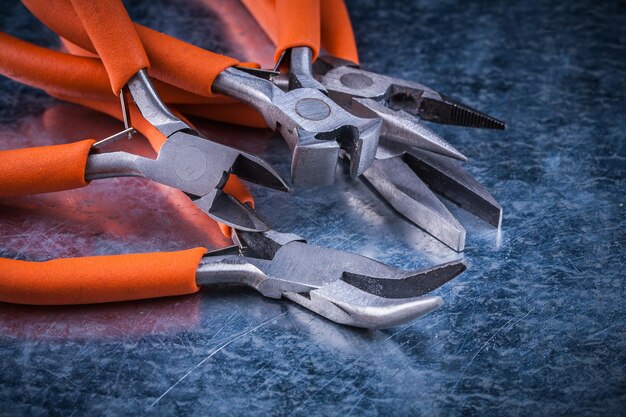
x=113, y=35
x=298, y=25
x=173, y=61
x=75, y=75
x=43, y=68
x=235, y=187
x=74, y=49
x=44, y=169
x=337, y=37
x=99, y=279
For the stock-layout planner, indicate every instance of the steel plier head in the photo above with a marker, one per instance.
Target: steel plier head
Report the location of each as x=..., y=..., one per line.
x=343, y=287
x=190, y=162
x=345, y=81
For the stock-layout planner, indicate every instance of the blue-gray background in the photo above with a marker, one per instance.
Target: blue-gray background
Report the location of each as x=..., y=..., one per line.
x=536, y=326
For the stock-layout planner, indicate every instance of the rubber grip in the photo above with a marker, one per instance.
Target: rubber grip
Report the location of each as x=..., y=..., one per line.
x=43, y=68
x=113, y=35
x=44, y=169
x=336, y=34
x=99, y=279
x=75, y=75
x=337, y=37
x=235, y=187
x=298, y=25
x=173, y=61
x=74, y=49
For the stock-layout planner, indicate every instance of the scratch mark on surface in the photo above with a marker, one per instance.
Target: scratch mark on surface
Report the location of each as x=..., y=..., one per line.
x=485, y=345
x=220, y=348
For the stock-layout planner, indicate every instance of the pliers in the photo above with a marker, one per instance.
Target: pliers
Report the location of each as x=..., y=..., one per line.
x=187, y=161
x=406, y=162
x=346, y=288
x=411, y=160
x=316, y=138
x=343, y=287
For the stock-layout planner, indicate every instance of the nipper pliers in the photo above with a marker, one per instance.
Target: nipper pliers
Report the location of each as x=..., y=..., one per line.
x=343, y=287
x=187, y=160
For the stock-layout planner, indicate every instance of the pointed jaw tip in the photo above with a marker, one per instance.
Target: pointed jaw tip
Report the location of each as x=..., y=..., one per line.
x=392, y=314
x=406, y=284
x=402, y=128
x=349, y=305
x=452, y=112
x=229, y=211
x=257, y=171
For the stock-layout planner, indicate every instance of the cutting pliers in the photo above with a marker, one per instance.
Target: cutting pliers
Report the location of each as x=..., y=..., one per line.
x=187, y=161
x=343, y=287
x=316, y=138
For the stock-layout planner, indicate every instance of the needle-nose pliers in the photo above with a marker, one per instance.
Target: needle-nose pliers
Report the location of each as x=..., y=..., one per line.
x=411, y=160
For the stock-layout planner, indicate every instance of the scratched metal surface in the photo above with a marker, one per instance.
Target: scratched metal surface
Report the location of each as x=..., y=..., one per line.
x=536, y=326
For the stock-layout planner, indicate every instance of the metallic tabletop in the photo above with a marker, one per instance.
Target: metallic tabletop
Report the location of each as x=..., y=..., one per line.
x=536, y=326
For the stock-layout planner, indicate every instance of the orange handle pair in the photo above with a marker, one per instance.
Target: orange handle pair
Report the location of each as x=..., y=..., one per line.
x=99, y=279
x=113, y=35
x=43, y=169
x=334, y=30
x=176, y=62
x=68, y=74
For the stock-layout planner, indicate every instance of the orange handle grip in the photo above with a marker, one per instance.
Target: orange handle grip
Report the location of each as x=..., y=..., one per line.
x=113, y=35
x=43, y=68
x=298, y=25
x=99, y=279
x=337, y=37
x=173, y=61
x=44, y=169
x=68, y=74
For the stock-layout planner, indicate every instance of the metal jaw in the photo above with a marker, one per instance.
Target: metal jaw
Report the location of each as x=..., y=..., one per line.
x=412, y=161
x=406, y=178
x=301, y=70
x=343, y=287
x=188, y=161
x=314, y=126
x=345, y=83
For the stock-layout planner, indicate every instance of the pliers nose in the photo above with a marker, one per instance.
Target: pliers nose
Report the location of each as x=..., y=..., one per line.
x=343, y=287
x=347, y=82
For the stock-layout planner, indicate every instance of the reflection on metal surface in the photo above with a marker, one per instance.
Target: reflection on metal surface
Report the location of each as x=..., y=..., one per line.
x=114, y=216
x=126, y=320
